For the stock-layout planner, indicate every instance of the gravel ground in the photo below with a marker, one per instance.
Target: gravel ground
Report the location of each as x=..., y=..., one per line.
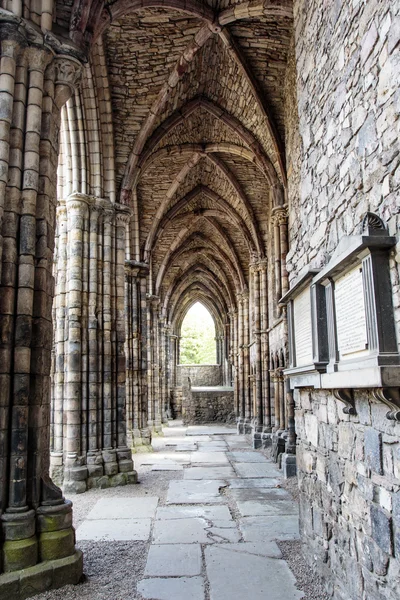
x=307, y=581
x=111, y=571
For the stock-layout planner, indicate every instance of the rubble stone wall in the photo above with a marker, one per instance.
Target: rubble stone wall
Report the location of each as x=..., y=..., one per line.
x=347, y=56
x=200, y=375
x=208, y=406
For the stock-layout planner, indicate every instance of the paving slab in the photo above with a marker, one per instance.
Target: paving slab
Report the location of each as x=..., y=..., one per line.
x=181, y=531
x=209, y=473
x=212, y=447
x=161, y=457
x=114, y=530
x=195, y=492
x=173, y=560
x=213, y=430
x=247, y=457
x=234, y=574
x=115, y=507
x=260, y=529
x=267, y=508
x=167, y=467
x=174, y=431
x=209, y=458
x=238, y=439
x=259, y=494
x=254, y=470
x=184, y=588
x=211, y=513
x=261, y=482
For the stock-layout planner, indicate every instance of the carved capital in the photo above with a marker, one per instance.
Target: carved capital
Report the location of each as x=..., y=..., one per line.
x=123, y=214
x=37, y=59
x=280, y=215
x=68, y=74
x=78, y=202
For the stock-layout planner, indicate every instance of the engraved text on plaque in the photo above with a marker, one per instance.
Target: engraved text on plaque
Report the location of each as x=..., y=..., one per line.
x=350, y=313
x=302, y=328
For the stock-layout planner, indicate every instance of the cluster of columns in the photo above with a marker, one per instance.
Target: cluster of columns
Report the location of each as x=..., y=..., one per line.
x=36, y=521
x=88, y=422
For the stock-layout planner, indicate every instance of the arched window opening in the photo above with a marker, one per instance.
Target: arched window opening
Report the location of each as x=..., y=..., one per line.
x=198, y=343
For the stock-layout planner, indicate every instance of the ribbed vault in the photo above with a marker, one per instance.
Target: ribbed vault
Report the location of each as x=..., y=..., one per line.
x=176, y=144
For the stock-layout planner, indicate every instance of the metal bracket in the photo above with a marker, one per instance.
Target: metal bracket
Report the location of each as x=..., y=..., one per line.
x=347, y=397
x=390, y=397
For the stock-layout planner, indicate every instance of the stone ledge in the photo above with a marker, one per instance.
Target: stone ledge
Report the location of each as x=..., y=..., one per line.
x=50, y=574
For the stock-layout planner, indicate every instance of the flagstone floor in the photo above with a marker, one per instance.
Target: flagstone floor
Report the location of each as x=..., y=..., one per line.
x=209, y=531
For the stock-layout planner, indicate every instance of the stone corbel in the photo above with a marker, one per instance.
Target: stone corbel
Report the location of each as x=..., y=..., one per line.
x=390, y=397
x=346, y=396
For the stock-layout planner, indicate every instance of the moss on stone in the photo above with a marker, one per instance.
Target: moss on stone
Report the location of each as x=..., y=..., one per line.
x=20, y=554
x=56, y=544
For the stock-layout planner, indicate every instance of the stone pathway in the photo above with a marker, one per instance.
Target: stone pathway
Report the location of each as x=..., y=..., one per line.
x=214, y=537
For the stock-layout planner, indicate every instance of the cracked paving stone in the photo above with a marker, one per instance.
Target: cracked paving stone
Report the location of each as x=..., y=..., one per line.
x=195, y=492
x=211, y=513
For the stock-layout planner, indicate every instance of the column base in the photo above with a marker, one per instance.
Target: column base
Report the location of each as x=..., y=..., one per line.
x=99, y=469
x=289, y=465
x=141, y=441
x=48, y=575
x=278, y=445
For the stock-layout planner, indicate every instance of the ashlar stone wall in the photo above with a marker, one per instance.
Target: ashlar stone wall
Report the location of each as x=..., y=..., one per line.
x=348, y=72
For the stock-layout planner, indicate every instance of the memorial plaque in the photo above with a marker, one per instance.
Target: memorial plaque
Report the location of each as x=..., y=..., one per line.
x=302, y=328
x=350, y=313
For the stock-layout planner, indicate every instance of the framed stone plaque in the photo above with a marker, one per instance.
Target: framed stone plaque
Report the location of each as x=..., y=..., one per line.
x=341, y=319
x=302, y=328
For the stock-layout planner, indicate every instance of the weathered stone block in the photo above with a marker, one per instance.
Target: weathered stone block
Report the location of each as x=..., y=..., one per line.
x=95, y=470
x=35, y=580
x=131, y=477
x=110, y=468
x=67, y=570
x=75, y=487
x=78, y=474
x=54, y=522
x=381, y=529
x=125, y=466
x=373, y=449
x=103, y=482
x=20, y=554
x=56, y=544
x=118, y=479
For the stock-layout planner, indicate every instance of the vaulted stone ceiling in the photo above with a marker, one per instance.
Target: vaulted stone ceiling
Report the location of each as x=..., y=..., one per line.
x=197, y=95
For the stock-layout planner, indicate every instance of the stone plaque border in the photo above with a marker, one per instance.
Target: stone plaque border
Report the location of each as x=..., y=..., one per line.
x=378, y=366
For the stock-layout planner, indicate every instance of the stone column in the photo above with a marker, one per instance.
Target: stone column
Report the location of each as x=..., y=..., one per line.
x=265, y=346
x=136, y=344
x=246, y=363
x=36, y=521
x=91, y=257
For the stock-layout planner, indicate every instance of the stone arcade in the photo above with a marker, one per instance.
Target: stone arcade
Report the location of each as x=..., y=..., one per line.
x=244, y=154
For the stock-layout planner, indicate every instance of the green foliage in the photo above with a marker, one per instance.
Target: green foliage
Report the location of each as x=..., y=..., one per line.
x=198, y=346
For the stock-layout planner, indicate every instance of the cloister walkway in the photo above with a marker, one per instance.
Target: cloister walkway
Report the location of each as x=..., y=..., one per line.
x=203, y=523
